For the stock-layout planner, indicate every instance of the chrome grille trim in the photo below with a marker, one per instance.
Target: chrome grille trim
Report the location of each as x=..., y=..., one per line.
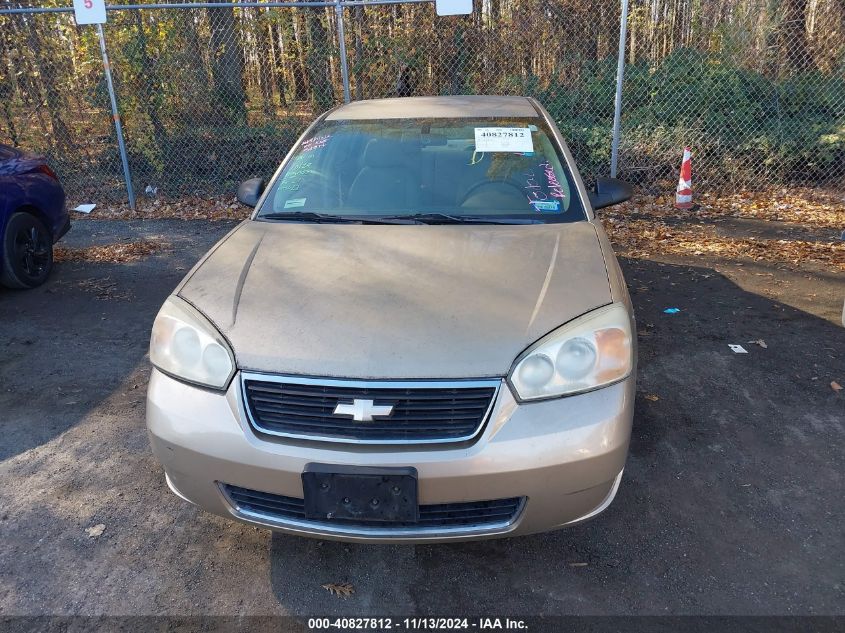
x=489, y=383
x=302, y=526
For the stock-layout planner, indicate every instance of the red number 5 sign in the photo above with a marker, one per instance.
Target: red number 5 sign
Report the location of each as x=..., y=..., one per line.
x=89, y=11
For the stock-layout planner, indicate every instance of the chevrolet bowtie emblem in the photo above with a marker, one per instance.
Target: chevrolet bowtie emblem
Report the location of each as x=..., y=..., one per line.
x=363, y=410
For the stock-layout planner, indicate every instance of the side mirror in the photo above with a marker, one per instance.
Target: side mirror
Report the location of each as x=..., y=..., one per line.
x=250, y=191
x=609, y=191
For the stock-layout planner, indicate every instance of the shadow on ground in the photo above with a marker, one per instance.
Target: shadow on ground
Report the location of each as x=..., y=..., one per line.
x=728, y=504
x=69, y=345
x=731, y=502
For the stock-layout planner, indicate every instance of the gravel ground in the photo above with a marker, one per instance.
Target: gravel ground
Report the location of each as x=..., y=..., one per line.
x=731, y=503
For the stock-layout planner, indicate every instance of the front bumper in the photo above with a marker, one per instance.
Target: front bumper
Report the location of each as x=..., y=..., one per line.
x=564, y=456
x=64, y=227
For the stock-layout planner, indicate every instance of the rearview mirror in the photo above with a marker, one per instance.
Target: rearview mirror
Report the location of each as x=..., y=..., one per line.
x=609, y=191
x=250, y=191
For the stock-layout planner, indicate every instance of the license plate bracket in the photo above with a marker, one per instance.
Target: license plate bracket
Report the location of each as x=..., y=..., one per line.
x=360, y=493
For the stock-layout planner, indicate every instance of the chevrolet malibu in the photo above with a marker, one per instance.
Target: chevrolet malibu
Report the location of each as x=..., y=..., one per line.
x=420, y=334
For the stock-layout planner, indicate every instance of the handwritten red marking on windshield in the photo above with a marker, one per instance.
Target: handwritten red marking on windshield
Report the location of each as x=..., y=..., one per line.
x=536, y=190
x=315, y=143
x=555, y=188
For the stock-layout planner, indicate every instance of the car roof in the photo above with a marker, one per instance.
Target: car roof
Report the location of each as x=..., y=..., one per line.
x=435, y=107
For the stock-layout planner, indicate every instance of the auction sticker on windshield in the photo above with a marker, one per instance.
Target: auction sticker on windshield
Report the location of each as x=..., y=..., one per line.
x=296, y=202
x=546, y=205
x=503, y=139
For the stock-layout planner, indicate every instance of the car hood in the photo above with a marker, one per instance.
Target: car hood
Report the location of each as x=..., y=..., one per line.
x=395, y=301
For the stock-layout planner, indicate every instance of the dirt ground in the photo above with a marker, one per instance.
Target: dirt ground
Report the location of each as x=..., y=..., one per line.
x=731, y=501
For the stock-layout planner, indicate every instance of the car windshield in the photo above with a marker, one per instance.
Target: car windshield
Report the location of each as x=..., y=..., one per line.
x=463, y=169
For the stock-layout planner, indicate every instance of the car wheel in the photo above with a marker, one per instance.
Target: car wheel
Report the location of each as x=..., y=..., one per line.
x=27, y=252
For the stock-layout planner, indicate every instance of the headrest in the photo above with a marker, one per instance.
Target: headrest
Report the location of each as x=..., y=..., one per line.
x=386, y=152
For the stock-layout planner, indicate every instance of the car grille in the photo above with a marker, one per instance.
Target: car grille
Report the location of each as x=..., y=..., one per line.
x=422, y=412
x=443, y=515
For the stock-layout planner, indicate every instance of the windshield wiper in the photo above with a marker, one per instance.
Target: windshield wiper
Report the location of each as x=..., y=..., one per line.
x=416, y=218
x=445, y=218
x=327, y=218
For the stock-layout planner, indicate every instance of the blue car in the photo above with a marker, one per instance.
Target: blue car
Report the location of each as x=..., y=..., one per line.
x=32, y=218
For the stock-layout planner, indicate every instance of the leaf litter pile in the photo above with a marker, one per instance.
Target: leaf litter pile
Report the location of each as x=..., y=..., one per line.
x=651, y=225
x=646, y=226
x=820, y=208
x=118, y=253
x=211, y=208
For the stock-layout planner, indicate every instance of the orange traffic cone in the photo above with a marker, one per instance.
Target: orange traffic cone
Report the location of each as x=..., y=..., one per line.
x=683, y=197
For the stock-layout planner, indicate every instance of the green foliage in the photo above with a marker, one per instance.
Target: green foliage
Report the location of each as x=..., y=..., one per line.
x=210, y=96
x=216, y=159
x=739, y=123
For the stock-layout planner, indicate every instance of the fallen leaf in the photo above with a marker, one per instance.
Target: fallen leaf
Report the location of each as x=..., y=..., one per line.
x=642, y=226
x=759, y=342
x=652, y=397
x=835, y=385
x=118, y=253
x=184, y=208
x=95, y=530
x=344, y=589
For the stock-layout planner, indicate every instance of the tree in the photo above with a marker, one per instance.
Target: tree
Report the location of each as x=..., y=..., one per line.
x=227, y=65
x=319, y=68
x=7, y=89
x=151, y=98
x=794, y=36
x=266, y=60
x=50, y=74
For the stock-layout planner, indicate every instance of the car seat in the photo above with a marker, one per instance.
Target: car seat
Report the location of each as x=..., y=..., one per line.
x=388, y=178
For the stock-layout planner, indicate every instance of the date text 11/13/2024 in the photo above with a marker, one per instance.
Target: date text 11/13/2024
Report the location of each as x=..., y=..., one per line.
x=415, y=624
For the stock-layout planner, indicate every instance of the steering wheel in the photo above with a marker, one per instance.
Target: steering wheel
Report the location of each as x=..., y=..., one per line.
x=312, y=180
x=479, y=187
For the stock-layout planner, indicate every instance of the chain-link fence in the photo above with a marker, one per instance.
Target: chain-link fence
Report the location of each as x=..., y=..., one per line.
x=212, y=93
x=757, y=88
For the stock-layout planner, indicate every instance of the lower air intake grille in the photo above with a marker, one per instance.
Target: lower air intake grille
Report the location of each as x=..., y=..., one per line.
x=444, y=515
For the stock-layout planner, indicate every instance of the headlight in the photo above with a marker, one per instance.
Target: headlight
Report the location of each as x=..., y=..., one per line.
x=185, y=345
x=592, y=351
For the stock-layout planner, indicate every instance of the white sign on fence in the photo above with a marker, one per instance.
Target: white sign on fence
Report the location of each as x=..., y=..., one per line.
x=89, y=11
x=453, y=7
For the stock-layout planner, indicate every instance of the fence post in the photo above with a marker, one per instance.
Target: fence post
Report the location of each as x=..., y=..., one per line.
x=341, y=38
x=620, y=76
x=116, y=116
